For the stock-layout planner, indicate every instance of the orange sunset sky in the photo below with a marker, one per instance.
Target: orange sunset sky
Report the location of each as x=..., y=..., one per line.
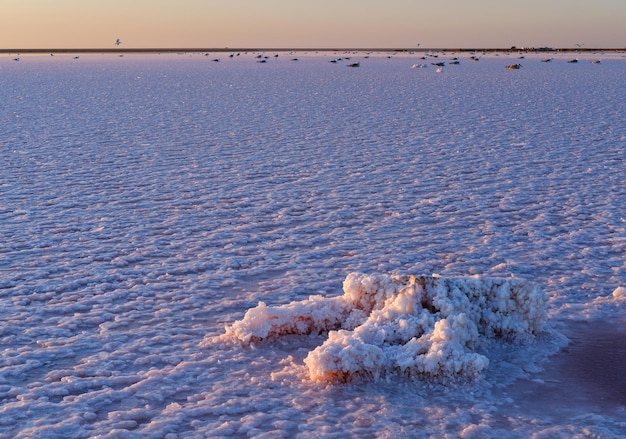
x=319, y=23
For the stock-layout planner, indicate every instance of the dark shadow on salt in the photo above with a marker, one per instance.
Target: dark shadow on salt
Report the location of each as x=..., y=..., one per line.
x=587, y=375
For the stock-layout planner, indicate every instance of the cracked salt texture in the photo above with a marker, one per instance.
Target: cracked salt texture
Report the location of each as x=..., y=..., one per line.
x=149, y=201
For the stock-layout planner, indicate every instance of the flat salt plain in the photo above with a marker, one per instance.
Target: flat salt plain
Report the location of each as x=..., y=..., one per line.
x=147, y=202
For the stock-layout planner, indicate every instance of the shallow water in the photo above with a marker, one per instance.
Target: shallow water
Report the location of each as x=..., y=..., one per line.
x=146, y=202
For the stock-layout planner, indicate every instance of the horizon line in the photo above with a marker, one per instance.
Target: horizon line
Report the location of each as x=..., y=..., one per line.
x=307, y=49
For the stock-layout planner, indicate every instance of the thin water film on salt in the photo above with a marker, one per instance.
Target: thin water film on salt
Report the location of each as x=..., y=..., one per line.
x=421, y=326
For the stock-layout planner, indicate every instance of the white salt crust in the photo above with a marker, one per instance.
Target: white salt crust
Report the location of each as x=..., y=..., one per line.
x=423, y=326
x=147, y=201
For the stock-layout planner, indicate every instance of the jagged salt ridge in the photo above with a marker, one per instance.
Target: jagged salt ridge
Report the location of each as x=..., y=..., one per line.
x=425, y=326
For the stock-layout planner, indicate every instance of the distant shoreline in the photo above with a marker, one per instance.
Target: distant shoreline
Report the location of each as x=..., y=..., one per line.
x=304, y=49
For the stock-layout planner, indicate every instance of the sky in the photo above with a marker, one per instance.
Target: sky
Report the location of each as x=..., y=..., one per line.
x=312, y=24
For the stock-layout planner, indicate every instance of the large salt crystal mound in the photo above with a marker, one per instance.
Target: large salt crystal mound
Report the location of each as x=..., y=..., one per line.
x=420, y=326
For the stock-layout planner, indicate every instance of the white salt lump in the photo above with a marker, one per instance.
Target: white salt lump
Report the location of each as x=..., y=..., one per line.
x=422, y=326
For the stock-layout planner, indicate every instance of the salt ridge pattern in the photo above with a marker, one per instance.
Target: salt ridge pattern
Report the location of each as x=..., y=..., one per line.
x=147, y=202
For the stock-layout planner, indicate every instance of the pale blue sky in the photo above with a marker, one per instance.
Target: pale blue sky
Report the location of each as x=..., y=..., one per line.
x=318, y=23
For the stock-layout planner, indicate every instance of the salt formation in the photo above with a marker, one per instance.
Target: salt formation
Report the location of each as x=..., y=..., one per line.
x=619, y=292
x=424, y=326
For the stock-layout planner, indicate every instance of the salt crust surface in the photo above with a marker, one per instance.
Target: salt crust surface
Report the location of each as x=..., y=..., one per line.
x=146, y=202
x=424, y=326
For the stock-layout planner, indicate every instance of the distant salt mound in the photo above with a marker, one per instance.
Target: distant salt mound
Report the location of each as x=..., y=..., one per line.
x=420, y=326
